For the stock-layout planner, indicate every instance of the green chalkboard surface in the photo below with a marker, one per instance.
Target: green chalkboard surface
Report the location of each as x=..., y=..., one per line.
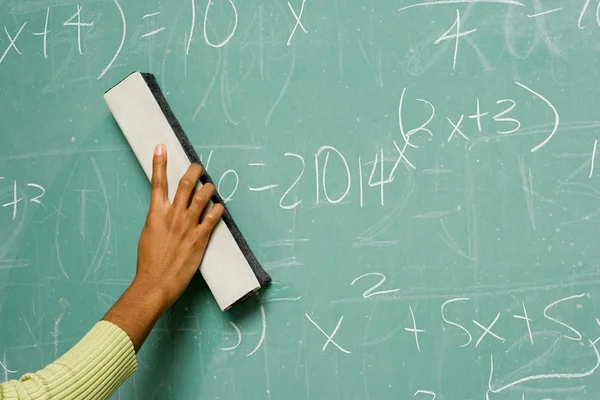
x=417, y=177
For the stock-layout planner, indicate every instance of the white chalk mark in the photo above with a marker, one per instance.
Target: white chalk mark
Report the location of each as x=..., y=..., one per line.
x=207, y=165
x=284, y=243
x=544, y=13
x=360, y=182
x=454, y=323
x=456, y=128
x=348, y=176
x=527, y=182
x=488, y=330
x=78, y=24
x=577, y=296
x=583, y=10
x=478, y=116
x=6, y=369
x=381, y=181
x=237, y=181
x=209, y=89
x=423, y=128
x=283, y=263
x=401, y=157
x=258, y=164
x=83, y=213
x=441, y=2
x=543, y=376
x=286, y=84
x=101, y=250
x=376, y=73
x=37, y=198
x=429, y=392
x=262, y=188
x=228, y=38
x=499, y=117
x=261, y=61
x=294, y=205
x=45, y=33
x=381, y=177
x=597, y=322
x=406, y=136
x=452, y=243
x=298, y=22
x=400, y=124
x=329, y=337
x=556, y=116
x=15, y=201
x=58, y=218
x=456, y=36
x=55, y=333
x=239, y=333
x=415, y=330
x=154, y=32
x=593, y=158
x=369, y=292
x=124, y=22
x=151, y=15
x=13, y=264
x=263, y=332
x=226, y=91
x=189, y=43
x=527, y=320
x=284, y=299
x=12, y=42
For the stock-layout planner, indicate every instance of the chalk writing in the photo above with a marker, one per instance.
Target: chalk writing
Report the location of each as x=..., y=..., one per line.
x=298, y=22
x=407, y=184
x=371, y=291
x=12, y=42
x=123, y=36
x=44, y=34
x=78, y=24
x=209, y=3
x=329, y=337
x=457, y=35
x=37, y=191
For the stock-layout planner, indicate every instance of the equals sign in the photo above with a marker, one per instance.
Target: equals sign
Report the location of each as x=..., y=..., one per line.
x=544, y=13
x=261, y=188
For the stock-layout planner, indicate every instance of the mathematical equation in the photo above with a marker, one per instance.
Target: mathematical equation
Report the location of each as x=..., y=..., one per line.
x=474, y=333
x=78, y=22
x=376, y=173
x=366, y=175
x=33, y=191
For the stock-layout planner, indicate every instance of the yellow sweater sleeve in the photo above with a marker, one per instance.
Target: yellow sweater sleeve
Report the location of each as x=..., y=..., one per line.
x=93, y=369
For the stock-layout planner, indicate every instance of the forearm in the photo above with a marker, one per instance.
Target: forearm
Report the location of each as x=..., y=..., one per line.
x=93, y=369
x=171, y=247
x=137, y=311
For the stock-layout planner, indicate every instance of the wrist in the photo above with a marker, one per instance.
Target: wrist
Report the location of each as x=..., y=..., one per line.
x=138, y=309
x=150, y=294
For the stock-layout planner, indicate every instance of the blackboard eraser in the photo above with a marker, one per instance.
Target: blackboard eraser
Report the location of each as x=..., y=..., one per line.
x=229, y=267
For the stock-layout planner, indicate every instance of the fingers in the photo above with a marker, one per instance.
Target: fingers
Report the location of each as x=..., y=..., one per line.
x=186, y=186
x=209, y=222
x=200, y=200
x=159, y=176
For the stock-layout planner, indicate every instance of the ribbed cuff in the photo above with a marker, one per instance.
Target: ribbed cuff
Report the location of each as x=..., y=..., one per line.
x=93, y=369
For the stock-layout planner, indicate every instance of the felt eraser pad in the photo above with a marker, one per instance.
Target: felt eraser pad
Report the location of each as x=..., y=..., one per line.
x=139, y=107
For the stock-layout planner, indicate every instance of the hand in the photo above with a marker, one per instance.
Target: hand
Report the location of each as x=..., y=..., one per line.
x=171, y=248
x=173, y=242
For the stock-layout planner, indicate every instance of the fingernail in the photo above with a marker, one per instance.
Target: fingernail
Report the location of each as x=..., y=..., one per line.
x=160, y=149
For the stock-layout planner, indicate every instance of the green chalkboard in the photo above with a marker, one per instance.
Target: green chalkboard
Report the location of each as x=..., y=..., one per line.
x=419, y=181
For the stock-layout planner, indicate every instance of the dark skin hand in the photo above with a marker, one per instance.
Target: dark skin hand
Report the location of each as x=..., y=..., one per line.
x=171, y=247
